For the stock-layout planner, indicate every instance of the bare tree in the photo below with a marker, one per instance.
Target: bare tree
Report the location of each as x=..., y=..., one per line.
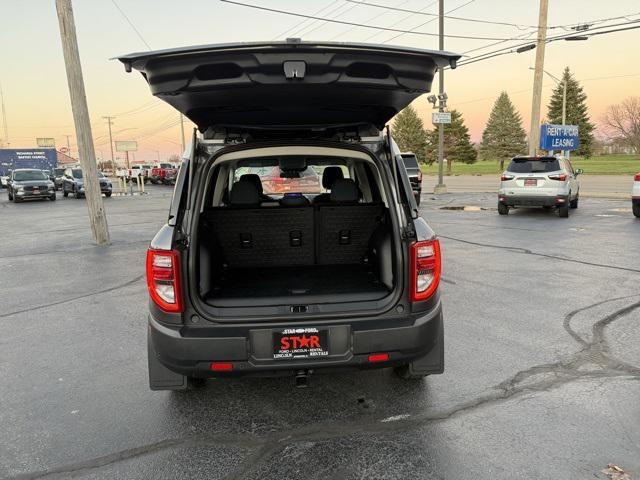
x=623, y=122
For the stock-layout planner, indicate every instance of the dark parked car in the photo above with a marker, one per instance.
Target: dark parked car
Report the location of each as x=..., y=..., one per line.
x=73, y=183
x=415, y=174
x=58, y=175
x=242, y=285
x=27, y=183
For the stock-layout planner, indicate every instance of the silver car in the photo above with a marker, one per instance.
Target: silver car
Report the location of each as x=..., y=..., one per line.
x=549, y=182
x=635, y=195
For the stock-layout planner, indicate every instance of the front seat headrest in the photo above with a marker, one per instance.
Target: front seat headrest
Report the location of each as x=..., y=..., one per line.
x=345, y=190
x=253, y=178
x=330, y=175
x=244, y=194
x=294, y=200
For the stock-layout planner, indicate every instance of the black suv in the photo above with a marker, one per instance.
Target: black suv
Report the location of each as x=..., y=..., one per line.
x=415, y=174
x=250, y=277
x=28, y=183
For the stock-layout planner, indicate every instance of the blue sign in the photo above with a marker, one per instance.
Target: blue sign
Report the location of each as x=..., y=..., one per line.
x=42, y=158
x=559, y=137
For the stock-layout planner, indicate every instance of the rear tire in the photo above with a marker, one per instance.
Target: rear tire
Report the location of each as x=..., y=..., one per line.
x=503, y=209
x=65, y=192
x=574, y=202
x=563, y=211
x=78, y=195
x=10, y=196
x=108, y=194
x=636, y=209
x=53, y=197
x=417, y=197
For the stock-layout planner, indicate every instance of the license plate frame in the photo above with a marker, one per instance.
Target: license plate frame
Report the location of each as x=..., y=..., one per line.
x=530, y=182
x=300, y=343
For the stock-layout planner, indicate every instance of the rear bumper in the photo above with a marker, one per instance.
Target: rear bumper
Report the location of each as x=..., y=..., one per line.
x=252, y=353
x=533, y=200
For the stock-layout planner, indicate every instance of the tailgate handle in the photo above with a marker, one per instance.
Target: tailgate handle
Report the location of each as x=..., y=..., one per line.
x=294, y=68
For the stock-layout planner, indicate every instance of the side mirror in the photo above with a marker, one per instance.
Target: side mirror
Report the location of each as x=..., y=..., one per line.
x=579, y=171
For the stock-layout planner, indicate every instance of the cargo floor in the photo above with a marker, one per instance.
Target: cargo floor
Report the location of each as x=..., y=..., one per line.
x=305, y=283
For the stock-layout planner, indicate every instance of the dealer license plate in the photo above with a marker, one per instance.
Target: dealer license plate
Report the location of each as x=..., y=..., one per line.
x=303, y=342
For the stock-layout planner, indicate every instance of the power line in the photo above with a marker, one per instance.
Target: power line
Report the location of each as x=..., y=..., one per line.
x=321, y=24
x=402, y=20
x=342, y=22
x=378, y=15
x=295, y=27
x=429, y=21
x=131, y=23
x=417, y=12
x=514, y=48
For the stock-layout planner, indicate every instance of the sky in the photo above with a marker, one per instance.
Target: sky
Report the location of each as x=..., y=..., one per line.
x=36, y=96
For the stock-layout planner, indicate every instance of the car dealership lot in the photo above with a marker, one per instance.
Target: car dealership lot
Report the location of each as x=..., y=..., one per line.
x=542, y=359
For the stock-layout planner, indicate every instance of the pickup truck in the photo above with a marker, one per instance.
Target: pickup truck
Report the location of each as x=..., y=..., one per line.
x=164, y=173
x=139, y=171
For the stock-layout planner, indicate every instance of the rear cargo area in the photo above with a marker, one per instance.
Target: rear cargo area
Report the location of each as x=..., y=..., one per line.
x=295, y=255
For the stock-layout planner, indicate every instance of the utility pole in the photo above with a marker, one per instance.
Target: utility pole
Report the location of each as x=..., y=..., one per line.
x=440, y=187
x=86, y=152
x=4, y=119
x=110, y=122
x=158, y=155
x=534, y=131
x=182, y=131
x=68, y=145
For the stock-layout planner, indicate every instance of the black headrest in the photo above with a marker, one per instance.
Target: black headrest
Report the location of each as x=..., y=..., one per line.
x=330, y=175
x=345, y=190
x=244, y=194
x=253, y=178
x=295, y=200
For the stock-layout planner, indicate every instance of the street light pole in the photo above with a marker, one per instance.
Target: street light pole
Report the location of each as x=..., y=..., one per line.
x=440, y=187
x=534, y=131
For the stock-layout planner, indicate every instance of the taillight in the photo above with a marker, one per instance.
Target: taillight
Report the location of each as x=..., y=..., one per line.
x=426, y=266
x=163, y=279
x=561, y=177
x=637, y=177
x=505, y=177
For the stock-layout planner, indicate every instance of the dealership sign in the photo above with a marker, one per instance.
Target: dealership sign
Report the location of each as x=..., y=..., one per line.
x=126, y=146
x=559, y=137
x=44, y=142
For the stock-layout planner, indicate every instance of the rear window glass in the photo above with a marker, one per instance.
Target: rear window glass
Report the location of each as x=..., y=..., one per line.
x=533, y=166
x=410, y=161
x=308, y=180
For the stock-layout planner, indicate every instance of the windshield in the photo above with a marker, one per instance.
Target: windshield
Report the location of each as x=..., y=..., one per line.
x=533, y=166
x=29, y=175
x=59, y=171
x=77, y=173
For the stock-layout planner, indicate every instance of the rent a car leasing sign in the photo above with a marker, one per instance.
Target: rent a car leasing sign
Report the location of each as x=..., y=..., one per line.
x=559, y=137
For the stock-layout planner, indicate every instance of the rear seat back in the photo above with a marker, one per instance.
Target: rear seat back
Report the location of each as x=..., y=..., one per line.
x=344, y=231
x=263, y=237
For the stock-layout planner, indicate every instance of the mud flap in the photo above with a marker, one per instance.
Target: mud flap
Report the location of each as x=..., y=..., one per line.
x=433, y=362
x=160, y=377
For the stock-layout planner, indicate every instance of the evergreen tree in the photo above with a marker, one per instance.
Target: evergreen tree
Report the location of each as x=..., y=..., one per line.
x=457, y=144
x=409, y=133
x=577, y=113
x=503, y=137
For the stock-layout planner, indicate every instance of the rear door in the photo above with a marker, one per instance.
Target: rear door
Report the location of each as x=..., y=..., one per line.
x=289, y=85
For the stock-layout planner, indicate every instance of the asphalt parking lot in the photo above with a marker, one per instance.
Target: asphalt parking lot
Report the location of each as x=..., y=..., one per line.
x=542, y=376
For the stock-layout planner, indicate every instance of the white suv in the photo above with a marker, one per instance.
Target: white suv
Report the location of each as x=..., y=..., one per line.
x=549, y=182
x=635, y=195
